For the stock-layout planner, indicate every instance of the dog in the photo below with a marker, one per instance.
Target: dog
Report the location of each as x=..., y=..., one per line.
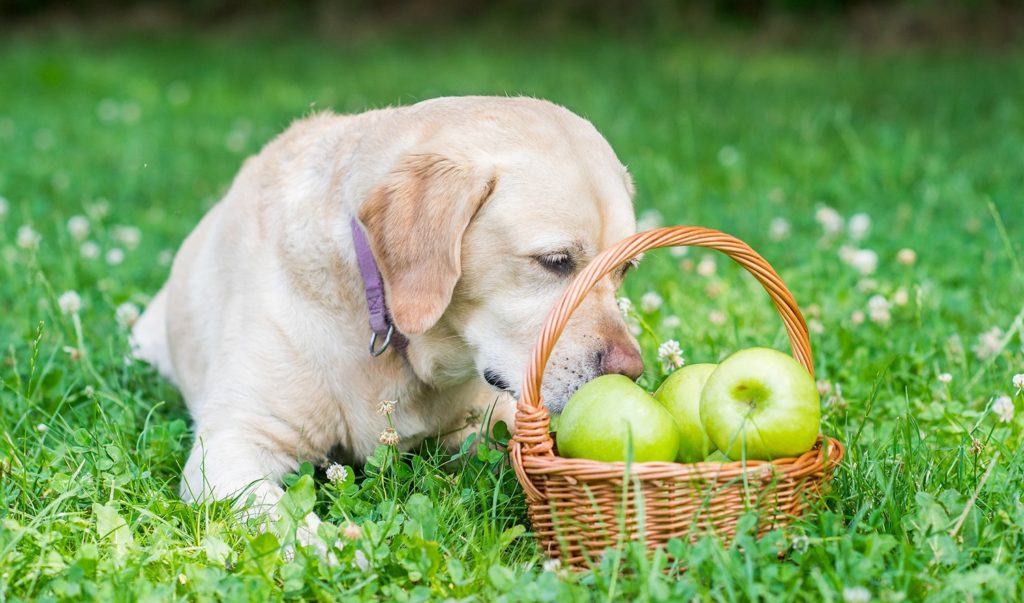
x=452, y=225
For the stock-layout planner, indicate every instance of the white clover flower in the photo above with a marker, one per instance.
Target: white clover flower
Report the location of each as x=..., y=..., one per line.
x=336, y=473
x=989, y=343
x=89, y=250
x=649, y=219
x=707, y=266
x=178, y=93
x=859, y=226
x=846, y=253
x=779, y=229
x=856, y=594
x=728, y=156
x=5, y=207
x=867, y=285
x=351, y=531
x=386, y=407
x=389, y=437
x=1018, y=382
x=552, y=565
x=801, y=543
x=716, y=317
x=129, y=236
x=126, y=314
x=906, y=256
x=944, y=377
x=865, y=261
x=650, y=302
x=130, y=112
x=69, y=302
x=671, y=355
x=60, y=181
x=1003, y=407
x=671, y=322
x=98, y=208
x=678, y=252
x=815, y=326
x=165, y=258
x=901, y=297
x=824, y=387
x=107, y=110
x=235, y=140
x=28, y=238
x=830, y=220
x=857, y=318
x=625, y=305
x=635, y=329
x=43, y=139
x=361, y=561
x=74, y=354
x=115, y=256
x=878, y=309
x=42, y=428
x=78, y=227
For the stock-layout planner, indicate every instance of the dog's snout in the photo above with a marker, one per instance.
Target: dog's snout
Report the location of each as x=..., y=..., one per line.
x=621, y=359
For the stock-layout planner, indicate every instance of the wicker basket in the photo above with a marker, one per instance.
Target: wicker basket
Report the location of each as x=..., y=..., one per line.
x=580, y=507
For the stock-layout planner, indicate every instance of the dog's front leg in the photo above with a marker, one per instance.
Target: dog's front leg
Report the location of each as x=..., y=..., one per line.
x=229, y=465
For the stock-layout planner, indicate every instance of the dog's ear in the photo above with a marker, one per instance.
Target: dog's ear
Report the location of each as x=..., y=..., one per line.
x=415, y=221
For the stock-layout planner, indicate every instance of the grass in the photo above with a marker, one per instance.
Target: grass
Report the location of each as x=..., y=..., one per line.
x=147, y=133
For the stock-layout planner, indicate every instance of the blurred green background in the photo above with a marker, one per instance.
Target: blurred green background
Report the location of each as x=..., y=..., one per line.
x=750, y=117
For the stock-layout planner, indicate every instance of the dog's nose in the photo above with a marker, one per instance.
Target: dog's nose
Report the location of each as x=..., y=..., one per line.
x=622, y=360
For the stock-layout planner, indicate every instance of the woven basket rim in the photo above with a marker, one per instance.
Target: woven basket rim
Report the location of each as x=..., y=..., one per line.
x=826, y=452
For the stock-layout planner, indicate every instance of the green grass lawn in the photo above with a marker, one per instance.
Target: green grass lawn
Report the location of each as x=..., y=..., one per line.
x=140, y=136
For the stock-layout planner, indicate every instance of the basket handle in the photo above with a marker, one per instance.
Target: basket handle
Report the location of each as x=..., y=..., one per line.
x=532, y=418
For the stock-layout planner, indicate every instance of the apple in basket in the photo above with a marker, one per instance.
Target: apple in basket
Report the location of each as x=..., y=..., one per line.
x=761, y=404
x=717, y=457
x=680, y=394
x=604, y=415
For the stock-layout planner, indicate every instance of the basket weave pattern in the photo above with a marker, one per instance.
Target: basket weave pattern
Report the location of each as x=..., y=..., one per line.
x=579, y=507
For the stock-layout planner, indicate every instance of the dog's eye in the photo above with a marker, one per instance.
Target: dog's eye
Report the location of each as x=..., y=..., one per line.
x=559, y=263
x=629, y=265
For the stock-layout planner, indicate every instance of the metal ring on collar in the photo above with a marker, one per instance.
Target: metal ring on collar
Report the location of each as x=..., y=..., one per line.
x=384, y=345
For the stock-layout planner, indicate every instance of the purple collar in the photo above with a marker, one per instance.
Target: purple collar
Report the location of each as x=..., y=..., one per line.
x=380, y=319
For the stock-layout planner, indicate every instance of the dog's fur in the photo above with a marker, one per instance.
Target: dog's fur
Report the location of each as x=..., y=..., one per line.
x=470, y=205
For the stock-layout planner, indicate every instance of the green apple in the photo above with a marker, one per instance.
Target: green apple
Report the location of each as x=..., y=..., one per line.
x=601, y=416
x=761, y=404
x=680, y=394
x=717, y=457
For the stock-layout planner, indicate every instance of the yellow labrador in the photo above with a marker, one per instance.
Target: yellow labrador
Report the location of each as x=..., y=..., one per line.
x=474, y=212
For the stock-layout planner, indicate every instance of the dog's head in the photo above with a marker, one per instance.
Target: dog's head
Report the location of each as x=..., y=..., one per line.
x=480, y=228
